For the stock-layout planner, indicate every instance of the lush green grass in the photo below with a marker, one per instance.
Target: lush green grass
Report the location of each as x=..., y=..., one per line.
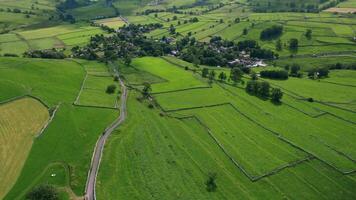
x=70, y=138
x=347, y=4
x=176, y=78
x=157, y=157
x=312, y=62
x=18, y=126
x=60, y=36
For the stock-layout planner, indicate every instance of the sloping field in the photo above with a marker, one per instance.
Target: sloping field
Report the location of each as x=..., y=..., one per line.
x=177, y=78
x=65, y=147
x=93, y=91
x=20, y=121
x=159, y=157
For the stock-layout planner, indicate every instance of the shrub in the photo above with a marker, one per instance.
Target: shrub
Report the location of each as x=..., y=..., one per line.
x=210, y=183
x=111, y=89
x=276, y=95
x=43, y=192
x=271, y=32
x=274, y=74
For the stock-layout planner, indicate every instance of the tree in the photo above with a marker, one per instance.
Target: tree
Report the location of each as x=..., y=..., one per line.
x=276, y=95
x=222, y=76
x=172, y=29
x=272, y=32
x=127, y=60
x=308, y=34
x=210, y=183
x=244, y=31
x=111, y=89
x=211, y=76
x=293, y=44
x=205, y=72
x=254, y=76
x=43, y=192
x=294, y=70
x=263, y=89
x=279, y=45
x=146, y=90
x=236, y=74
x=251, y=87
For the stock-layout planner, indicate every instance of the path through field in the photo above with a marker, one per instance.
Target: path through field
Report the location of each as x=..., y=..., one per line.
x=98, y=151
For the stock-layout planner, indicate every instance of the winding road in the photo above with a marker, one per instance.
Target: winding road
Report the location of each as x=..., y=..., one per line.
x=98, y=151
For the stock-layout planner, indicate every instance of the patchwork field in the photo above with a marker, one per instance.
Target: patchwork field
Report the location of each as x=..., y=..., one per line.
x=56, y=82
x=18, y=128
x=251, y=144
x=62, y=36
x=187, y=137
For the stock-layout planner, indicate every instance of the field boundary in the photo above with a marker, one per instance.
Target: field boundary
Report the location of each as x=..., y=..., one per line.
x=237, y=164
x=48, y=121
x=278, y=135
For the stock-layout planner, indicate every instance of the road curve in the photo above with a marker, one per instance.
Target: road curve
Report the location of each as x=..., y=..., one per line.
x=99, y=147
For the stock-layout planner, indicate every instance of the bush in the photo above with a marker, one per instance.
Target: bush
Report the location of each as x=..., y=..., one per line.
x=111, y=89
x=271, y=32
x=210, y=183
x=43, y=192
x=11, y=55
x=276, y=95
x=274, y=74
x=49, y=54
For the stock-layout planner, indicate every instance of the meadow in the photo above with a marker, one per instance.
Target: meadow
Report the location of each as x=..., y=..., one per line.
x=262, y=142
x=189, y=130
x=18, y=128
x=60, y=36
x=56, y=83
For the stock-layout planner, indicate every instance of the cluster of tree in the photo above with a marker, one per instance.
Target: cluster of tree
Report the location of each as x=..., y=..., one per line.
x=110, y=89
x=48, y=53
x=17, y=10
x=317, y=73
x=292, y=6
x=272, y=32
x=351, y=66
x=293, y=44
x=274, y=74
x=294, y=70
x=43, y=192
x=67, y=4
x=263, y=90
x=128, y=42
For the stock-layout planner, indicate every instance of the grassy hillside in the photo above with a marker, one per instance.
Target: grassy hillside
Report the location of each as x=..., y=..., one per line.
x=56, y=82
x=257, y=149
x=18, y=128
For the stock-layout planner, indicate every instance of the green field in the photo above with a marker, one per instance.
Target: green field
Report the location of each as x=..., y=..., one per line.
x=18, y=128
x=55, y=82
x=187, y=133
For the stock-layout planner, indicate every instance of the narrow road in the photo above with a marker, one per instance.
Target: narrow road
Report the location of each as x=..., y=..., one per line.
x=98, y=151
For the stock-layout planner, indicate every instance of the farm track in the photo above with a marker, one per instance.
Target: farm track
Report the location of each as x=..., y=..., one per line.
x=98, y=151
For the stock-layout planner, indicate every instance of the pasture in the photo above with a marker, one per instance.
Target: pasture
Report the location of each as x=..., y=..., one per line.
x=186, y=154
x=18, y=127
x=55, y=82
x=115, y=22
x=60, y=36
x=93, y=91
x=260, y=145
x=176, y=78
